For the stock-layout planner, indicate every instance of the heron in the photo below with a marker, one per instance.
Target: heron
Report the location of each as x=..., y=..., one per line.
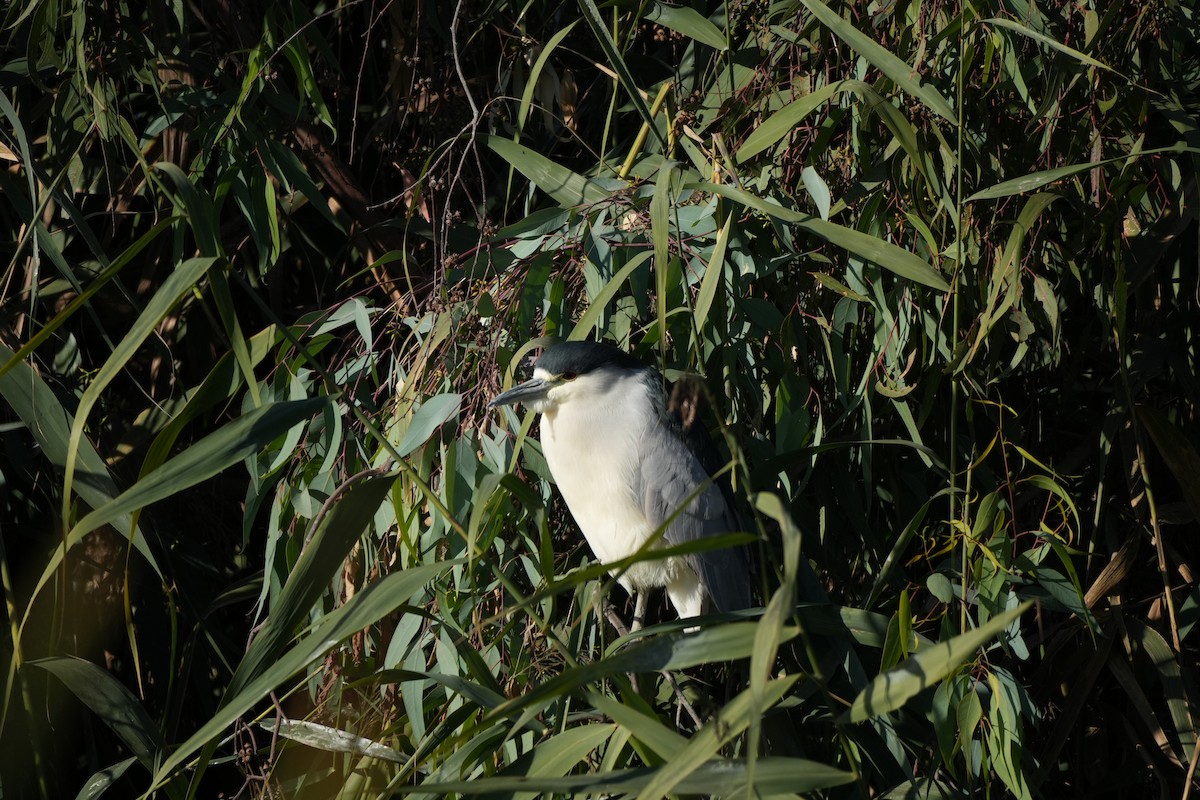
x=628, y=468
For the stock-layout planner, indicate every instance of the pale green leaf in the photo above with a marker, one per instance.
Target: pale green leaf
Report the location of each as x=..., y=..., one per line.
x=892, y=689
x=432, y=414
x=688, y=22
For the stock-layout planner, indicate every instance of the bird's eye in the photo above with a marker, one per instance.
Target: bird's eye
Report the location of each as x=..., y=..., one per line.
x=570, y=376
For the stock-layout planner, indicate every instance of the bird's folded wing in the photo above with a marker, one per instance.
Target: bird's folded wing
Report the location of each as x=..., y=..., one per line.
x=671, y=474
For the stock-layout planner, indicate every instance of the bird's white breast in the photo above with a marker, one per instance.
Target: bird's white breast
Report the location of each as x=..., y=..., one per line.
x=594, y=453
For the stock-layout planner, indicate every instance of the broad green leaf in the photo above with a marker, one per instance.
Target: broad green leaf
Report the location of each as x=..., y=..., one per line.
x=296, y=51
x=865, y=627
x=197, y=208
x=40, y=411
x=1163, y=657
x=568, y=188
x=558, y=755
x=714, y=275
x=818, y=190
x=688, y=22
x=181, y=280
x=535, y=72
x=664, y=652
x=887, y=255
x=218, y=386
x=660, y=230
x=1036, y=180
x=215, y=453
x=81, y=299
x=1004, y=282
x=892, y=689
x=1181, y=457
x=832, y=283
x=18, y=129
x=665, y=742
x=112, y=703
x=704, y=745
x=589, y=318
x=429, y=417
x=103, y=780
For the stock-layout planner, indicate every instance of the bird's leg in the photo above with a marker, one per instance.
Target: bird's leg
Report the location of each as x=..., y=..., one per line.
x=619, y=624
x=639, y=611
x=683, y=701
x=615, y=619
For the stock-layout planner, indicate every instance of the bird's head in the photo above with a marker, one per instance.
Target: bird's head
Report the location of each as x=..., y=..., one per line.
x=571, y=371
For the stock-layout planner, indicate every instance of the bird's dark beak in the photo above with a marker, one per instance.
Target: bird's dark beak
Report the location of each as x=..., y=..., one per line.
x=527, y=392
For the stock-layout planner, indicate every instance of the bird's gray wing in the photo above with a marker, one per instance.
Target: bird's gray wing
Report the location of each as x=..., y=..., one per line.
x=670, y=474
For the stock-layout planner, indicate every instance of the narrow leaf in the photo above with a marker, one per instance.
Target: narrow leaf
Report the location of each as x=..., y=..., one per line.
x=897, y=70
x=892, y=689
x=360, y=611
x=320, y=560
x=568, y=188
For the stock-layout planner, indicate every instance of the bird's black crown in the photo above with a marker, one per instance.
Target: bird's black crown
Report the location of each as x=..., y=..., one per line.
x=583, y=357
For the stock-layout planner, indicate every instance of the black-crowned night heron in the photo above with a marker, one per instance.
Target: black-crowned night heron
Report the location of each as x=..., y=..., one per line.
x=625, y=467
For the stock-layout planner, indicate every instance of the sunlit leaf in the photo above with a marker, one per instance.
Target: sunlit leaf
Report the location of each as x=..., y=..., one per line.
x=892, y=689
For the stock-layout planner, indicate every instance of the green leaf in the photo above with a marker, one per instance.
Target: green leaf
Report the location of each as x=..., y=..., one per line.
x=534, y=73
x=885, y=254
x=181, y=280
x=818, y=190
x=111, y=702
x=81, y=299
x=591, y=15
x=1036, y=180
x=892, y=689
x=44, y=416
x=897, y=70
x=665, y=742
x=360, y=611
x=214, y=453
x=329, y=739
x=100, y=782
x=590, y=317
x=556, y=756
x=688, y=22
x=429, y=417
x=1012, y=25
x=568, y=188
x=719, y=777
x=714, y=273
x=320, y=560
x=781, y=123
x=1177, y=452
x=660, y=234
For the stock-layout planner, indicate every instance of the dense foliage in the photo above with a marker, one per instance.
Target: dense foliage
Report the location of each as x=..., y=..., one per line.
x=937, y=264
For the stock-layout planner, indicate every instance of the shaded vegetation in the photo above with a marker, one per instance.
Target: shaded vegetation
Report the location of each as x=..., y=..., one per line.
x=936, y=265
